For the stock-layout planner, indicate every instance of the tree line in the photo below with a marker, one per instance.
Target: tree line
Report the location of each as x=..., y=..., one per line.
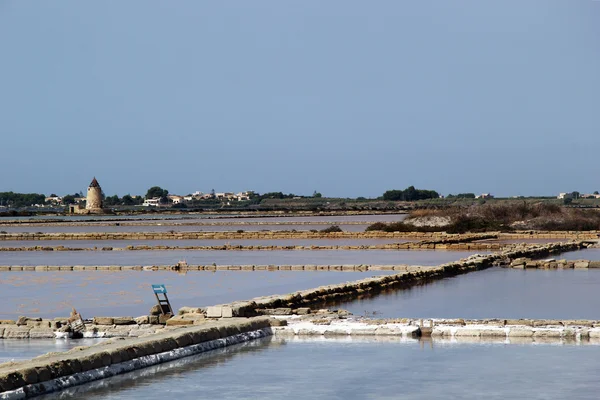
x=410, y=194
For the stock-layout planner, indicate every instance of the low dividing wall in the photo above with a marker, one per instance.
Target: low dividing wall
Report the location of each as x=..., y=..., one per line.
x=523, y=263
x=443, y=328
x=394, y=246
x=56, y=371
x=370, y=286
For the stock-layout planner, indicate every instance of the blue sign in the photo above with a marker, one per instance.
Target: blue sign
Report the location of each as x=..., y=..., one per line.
x=159, y=289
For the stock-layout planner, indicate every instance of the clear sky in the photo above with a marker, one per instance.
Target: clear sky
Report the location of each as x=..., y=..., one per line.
x=349, y=98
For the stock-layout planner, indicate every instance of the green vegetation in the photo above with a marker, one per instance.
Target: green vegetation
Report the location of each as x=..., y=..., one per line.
x=21, y=199
x=156, y=191
x=410, y=194
x=505, y=217
x=332, y=229
x=461, y=196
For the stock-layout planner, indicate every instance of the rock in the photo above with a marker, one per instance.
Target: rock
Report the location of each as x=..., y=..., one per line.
x=581, y=264
x=142, y=320
x=103, y=321
x=190, y=310
x=123, y=321
x=302, y=311
x=278, y=322
x=153, y=319
x=155, y=310
x=23, y=320
x=179, y=320
x=214, y=312
x=16, y=332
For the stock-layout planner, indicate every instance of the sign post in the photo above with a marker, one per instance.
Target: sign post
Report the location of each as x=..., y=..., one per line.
x=163, y=303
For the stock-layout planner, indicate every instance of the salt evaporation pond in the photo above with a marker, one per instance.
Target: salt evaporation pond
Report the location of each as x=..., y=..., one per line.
x=51, y=294
x=493, y=293
x=233, y=257
x=273, y=368
x=585, y=254
x=24, y=349
x=186, y=218
x=201, y=242
x=176, y=228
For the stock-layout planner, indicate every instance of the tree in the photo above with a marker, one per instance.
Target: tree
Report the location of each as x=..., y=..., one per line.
x=596, y=192
x=410, y=194
x=127, y=200
x=575, y=195
x=156, y=191
x=317, y=194
x=112, y=201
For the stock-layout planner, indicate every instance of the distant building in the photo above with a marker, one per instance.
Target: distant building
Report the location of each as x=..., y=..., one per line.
x=485, y=196
x=54, y=199
x=175, y=199
x=93, y=201
x=154, y=202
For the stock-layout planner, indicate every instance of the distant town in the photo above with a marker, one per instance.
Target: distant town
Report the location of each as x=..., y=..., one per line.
x=159, y=198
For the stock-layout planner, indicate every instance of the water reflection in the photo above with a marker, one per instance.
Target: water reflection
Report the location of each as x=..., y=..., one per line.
x=24, y=349
x=359, y=369
x=493, y=293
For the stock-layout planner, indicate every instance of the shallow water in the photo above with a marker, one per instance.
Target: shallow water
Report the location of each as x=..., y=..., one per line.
x=493, y=293
x=363, y=369
x=119, y=293
x=219, y=217
x=232, y=257
x=201, y=242
x=176, y=228
x=585, y=254
x=23, y=349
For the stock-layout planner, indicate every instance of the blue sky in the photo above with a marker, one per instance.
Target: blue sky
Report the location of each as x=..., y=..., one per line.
x=349, y=98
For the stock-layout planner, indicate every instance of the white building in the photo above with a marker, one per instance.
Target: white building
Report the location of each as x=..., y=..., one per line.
x=154, y=202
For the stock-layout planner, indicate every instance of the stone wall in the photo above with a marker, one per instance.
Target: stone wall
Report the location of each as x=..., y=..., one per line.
x=536, y=330
x=56, y=371
x=370, y=286
x=551, y=263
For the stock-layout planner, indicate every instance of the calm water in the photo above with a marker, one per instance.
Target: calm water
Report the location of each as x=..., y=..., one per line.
x=585, y=254
x=359, y=369
x=23, y=349
x=201, y=242
x=232, y=257
x=494, y=293
x=221, y=218
x=119, y=293
x=177, y=228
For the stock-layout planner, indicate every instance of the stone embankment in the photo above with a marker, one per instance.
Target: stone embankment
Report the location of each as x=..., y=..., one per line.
x=551, y=263
x=370, y=286
x=458, y=243
x=55, y=371
x=332, y=324
x=37, y=328
x=271, y=235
